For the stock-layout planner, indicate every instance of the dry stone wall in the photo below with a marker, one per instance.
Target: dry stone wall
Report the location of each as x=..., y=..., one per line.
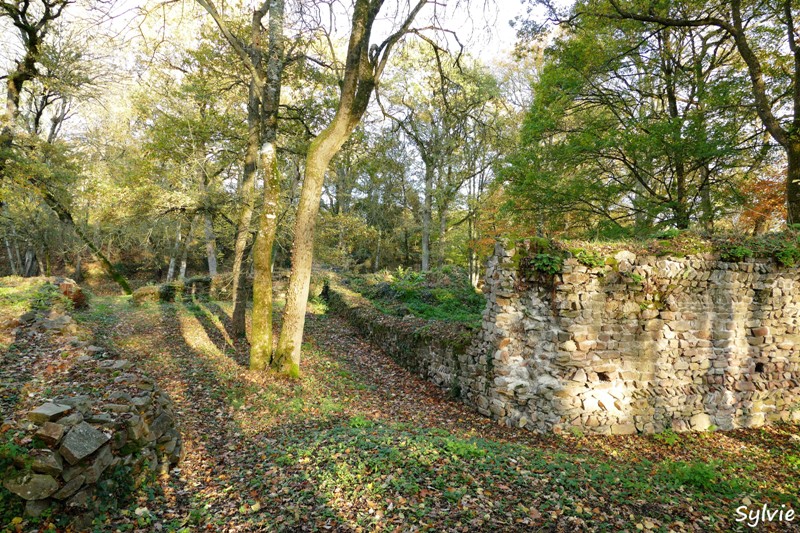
x=641, y=344
x=82, y=427
x=81, y=440
x=434, y=350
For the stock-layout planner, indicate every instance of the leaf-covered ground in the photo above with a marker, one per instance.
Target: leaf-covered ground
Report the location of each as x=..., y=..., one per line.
x=358, y=444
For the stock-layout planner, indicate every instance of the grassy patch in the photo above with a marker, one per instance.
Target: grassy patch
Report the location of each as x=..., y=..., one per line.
x=441, y=294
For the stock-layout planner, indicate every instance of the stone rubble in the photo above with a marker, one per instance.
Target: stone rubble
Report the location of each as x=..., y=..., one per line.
x=92, y=427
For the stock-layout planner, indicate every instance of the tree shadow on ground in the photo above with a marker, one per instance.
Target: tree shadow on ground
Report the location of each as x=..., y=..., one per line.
x=359, y=442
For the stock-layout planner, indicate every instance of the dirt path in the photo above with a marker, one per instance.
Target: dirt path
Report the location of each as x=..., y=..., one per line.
x=359, y=444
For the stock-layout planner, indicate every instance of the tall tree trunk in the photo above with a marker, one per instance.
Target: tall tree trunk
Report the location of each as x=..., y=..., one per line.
x=360, y=75
x=442, y=234
x=11, y=262
x=185, y=250
x=30, y=263
x=176, y=250
x=427, y=209
x=320, y=152
x=376, y=266
x=261, y=332
x=15, y=242
x=245, y=215
x=261, y=329
x=793, y=181
x=79, y=267
x=705, y=200
x=211, y=244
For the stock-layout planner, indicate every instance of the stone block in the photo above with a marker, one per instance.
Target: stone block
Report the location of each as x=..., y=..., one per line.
x=70, y=488
x=50, y=433
x=48, y=412
x=35, y=508
x=32, y=486
x=623, y=429
x=46, y=462
x=701, y=422
x=81, y=441
x=98, y=464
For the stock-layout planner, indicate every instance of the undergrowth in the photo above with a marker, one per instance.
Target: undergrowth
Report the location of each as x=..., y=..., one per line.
x=440, y=294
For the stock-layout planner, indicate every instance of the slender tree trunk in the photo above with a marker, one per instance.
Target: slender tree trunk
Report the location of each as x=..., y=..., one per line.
x=185, y=251
x=261, y=329
x=211, y=244
x=358, y=83
x=426, y=218
x=320, y=152
x=376, y=266
x=11, y=262
x=15, y=241
x=261, y=337
x=78, y=267
x=793, y=181
x=30, y=263
x=176, y=250
x=705, y=200
x=245, y=215
x=442, y=234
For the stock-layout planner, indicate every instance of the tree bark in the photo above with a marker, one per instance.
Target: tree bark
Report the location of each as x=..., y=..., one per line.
x=78, y=267
x=11, y=262
x=30, y=265
x=442, y=234
x=185, y=249
x=707, y=206
x=793, y=182
x=173, y=258
x=245, y=215
x=211, y=244
x=427, y=208
x=261, y=330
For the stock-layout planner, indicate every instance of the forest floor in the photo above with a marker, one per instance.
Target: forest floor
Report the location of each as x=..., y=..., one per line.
x=359, y=444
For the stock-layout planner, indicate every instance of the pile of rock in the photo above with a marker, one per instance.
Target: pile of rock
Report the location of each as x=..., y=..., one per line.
x=51, y=321
x=198, y=287
x=72, y=291
x=78, y=441
x=80, y=421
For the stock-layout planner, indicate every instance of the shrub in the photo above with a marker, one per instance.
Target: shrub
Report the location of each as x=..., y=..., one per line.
x=789, y=256
x=588, y=258
x=736, y=253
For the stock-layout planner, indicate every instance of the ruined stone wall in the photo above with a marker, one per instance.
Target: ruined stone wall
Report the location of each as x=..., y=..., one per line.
x=431, y=349
x=639, y=344
x=81, y=427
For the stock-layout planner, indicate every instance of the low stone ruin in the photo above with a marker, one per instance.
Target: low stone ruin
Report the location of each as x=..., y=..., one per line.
x=77, y=441
x=86, y=427
x=199, y=287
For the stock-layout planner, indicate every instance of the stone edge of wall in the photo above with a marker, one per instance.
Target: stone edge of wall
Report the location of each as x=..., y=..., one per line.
x=434, y=350
x=77, y=443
